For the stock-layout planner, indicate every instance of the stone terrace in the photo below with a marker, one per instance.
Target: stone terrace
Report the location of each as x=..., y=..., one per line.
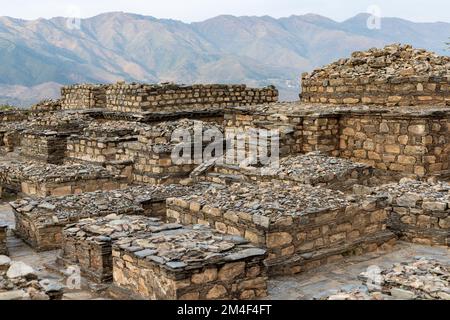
x=152, y=153
x=315, y=168
x=302, y=226
x=189, y=263
x=43, y=180
x=88, y=243
x=394, y=76
x=410, y=140
x=40, y=221
x=419, y=211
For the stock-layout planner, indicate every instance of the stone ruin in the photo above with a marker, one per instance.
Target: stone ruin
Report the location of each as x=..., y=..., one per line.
x=363, y=162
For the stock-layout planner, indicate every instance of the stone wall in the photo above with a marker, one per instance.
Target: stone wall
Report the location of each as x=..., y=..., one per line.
x=44, y=146
x=175, y=98
x=419, y=211
x=409, y=141
x=83, y=96
x=50, y=180
x=174, y=265
x=3, y=232
x=39, y=222
x=152, y=153
x=411, y=144
x=302, y=227
x=88, y=243
x=314, y=168
x=393, y=76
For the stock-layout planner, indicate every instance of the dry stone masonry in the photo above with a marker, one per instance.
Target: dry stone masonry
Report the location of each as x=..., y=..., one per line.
x=175, y=98
x=301, y=226
x=314, y=169
x=363, y=161
x=189, y=263
x=422, y=279
x=88, y=243
x=397, y=75
x=419, y=211
x=51, y=180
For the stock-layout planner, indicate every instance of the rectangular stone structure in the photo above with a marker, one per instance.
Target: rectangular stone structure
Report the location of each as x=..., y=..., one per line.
x=301, y=226
x=39, y=222
x=419, y=211
x=189, y=263
x=153, y=153
x=34, y=179
x=3, y=234
x=46, y=146
x=315, y=168
x=394, y=76
x=175, y=98
x=83, y=96
x=88, y=243
x=411, y=140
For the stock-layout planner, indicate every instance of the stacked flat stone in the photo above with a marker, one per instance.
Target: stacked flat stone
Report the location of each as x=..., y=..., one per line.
x=3, y=235
x=39, y=222
x=47, y=105
x=314, y=168
x=83, y=96
x=302, y=226
x=47, y=179
x=178, y=98
x=88, y=243
x=102, y=142
x=407, y=140
x=419, y=211
x=422, y=279
x=18, y=281
x=152, y=153
x=189, y=263
x=397, y=75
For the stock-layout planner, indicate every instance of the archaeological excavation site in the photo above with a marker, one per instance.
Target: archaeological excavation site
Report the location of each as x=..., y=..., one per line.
x=222, y=192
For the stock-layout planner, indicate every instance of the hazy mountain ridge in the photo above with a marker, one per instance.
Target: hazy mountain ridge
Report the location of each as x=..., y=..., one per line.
x=253, y=50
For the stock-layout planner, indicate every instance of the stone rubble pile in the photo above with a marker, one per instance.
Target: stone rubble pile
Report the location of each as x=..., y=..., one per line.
x=422, y=279
x=389, y=61
x=271, y=199
x=18, y=281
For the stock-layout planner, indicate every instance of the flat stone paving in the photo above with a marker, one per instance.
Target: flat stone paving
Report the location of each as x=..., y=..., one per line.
x=310, y=285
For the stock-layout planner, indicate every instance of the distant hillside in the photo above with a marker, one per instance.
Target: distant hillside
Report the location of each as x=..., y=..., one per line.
x=44, y=54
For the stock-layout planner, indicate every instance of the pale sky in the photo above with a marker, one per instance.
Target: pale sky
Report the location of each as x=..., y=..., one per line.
x=197, y=10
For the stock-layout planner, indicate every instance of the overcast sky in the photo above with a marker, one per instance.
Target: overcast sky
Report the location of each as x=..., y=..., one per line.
x=197, y=10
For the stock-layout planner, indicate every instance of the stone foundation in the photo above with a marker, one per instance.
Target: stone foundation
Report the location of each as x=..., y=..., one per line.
x=410, y=141
x=51, y=180
x=88, y=243
x=419, y=211
x=44, y=146
x=315, y=169
x=83, y=96
x=152, y=153
x=174, y=265
x=393, y=76
x=175, y=98
x=39, y=222
x=301, y=226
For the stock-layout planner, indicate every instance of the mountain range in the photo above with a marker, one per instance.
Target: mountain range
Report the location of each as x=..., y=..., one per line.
x=39, y=56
